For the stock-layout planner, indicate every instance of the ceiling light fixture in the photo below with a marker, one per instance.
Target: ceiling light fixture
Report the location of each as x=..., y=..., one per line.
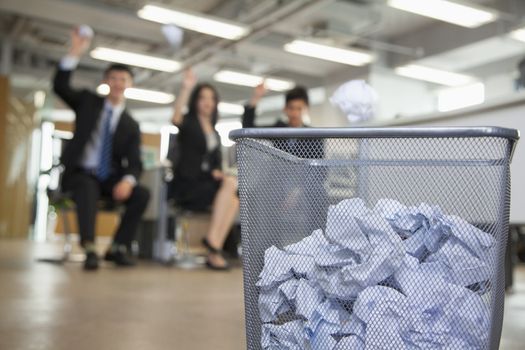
x=353, y=57
x=433, y=75
x=230, y=108
x=194, y=21
x=460, y=97
x=141, y=94
x=447, y=11
x=518, y=34
x=135, y=59
x=245, y=79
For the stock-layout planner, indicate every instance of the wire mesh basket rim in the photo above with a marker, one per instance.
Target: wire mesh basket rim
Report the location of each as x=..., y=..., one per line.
x=395, y=132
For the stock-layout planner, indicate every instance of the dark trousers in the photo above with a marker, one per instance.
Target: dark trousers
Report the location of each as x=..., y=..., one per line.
x=87, y=190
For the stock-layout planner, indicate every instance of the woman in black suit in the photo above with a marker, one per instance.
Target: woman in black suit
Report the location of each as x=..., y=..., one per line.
x=199, y=180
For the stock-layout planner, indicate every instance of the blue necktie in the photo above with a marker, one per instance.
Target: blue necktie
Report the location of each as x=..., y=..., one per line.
x=104, y=164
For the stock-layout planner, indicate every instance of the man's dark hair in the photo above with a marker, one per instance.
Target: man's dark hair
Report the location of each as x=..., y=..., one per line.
x=297, y=93
x=118, y=67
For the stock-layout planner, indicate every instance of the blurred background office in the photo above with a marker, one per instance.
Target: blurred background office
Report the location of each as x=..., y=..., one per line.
x=430, y=62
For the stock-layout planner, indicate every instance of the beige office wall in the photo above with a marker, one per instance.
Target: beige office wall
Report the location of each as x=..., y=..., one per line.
x=16, y=197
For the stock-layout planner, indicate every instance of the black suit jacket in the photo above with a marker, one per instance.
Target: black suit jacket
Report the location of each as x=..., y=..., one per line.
x=302, y=148
x=88, y=107
x=193, y=151
x=248, y=119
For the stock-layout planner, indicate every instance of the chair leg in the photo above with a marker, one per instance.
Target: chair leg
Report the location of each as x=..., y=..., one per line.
x=185, y=235
x=68, y=255
x=67, y=247
x=67, y=235
x=185, y=259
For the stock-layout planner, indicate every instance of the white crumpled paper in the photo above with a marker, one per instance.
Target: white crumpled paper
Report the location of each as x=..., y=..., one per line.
x=356, y=99
x=388, y=277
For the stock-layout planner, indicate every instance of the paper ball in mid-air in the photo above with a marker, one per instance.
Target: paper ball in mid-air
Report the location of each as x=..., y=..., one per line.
x=85, y=31
x=356, y=99
x=174, y=35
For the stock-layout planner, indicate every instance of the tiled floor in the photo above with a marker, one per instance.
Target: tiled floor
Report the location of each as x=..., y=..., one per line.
x=43, y=306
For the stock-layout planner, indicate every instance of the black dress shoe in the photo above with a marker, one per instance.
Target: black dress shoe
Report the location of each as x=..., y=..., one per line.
x=122, y=259
x=110, y=255
x=91, y=262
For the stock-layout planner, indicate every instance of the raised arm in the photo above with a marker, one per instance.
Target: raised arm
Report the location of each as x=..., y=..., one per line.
x=61, y=82
x=188, y=82
x=248, y=118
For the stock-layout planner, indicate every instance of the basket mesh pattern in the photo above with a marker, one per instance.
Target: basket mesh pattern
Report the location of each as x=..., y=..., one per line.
x=287, y=187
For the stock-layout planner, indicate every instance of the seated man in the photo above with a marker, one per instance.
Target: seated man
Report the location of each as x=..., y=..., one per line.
x=103, y=158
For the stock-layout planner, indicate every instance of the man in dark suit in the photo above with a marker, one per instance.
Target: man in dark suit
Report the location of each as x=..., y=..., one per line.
x=103, y=158
x=295, y=108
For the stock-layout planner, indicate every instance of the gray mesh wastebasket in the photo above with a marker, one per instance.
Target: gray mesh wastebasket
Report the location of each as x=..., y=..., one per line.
x=374, y=238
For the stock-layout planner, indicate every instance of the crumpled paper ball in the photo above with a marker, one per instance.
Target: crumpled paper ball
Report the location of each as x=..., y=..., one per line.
x=356, y=99
x=174, y=35
x=85, y=31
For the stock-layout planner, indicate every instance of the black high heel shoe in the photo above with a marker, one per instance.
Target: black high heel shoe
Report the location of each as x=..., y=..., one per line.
x=213, y=250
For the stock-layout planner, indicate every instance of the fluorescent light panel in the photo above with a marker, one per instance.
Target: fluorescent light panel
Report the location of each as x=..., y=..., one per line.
x=245, y=79
x=141, y=94
x=433, y=75
x=447, y=11
x=149, y=95
x=351, y=57
x=460, y=97
x=194, y=21
x=518, y=34
x=135, y=59
x=230, y=108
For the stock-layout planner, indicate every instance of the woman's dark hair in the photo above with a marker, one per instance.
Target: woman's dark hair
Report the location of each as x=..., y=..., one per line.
x=194, y=99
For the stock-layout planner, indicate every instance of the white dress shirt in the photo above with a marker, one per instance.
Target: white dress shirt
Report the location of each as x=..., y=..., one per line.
x=92, y=150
